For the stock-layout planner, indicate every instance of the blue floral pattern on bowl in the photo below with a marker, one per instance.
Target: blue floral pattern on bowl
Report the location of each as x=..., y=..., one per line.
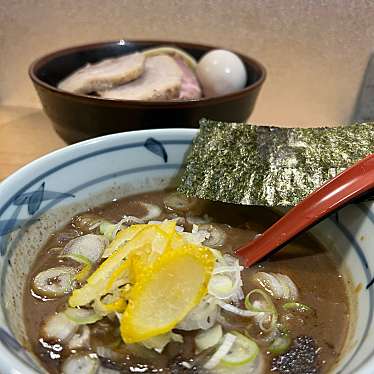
x=33, y=201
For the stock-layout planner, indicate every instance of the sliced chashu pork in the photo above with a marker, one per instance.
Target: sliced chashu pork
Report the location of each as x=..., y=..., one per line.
x=190, y=88
x=105, y=74
x=161, y=80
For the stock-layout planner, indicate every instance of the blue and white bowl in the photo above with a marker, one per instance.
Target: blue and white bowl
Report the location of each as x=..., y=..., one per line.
x=43, y=195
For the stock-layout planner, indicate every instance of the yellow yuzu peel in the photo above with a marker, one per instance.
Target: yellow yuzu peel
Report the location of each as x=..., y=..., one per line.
x=166, y=292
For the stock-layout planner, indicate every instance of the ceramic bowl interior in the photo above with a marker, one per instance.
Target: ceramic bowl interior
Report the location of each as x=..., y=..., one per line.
x=79, y=117
x=42, y=197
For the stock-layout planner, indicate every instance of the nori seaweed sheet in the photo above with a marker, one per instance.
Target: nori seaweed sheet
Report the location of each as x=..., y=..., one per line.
x=270, y=166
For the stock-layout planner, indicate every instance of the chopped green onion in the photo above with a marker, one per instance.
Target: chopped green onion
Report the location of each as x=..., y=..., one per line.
x=91, y=246
x=273, y=323
x=270, y=308
x=264, y=311
x=106, y=229
x=221, y=286
x=243, y=350
x=82, y=316
x=78, y=258
x=280, y=344
x=282, y=329
x=299, y=307
x=228, y=341
x=86, y=270
x=208, y=338
x=84, y=273
x=62, y=284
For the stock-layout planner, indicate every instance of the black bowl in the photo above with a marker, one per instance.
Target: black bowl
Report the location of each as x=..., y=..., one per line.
x=79, y=117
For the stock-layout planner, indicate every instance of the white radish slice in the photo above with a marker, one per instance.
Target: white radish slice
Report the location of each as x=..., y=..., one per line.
x=81, y=364
x=90, y=246
x=54, y=282
x=58, y=327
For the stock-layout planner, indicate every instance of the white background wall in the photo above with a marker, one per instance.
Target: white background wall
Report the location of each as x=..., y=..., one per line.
x=315, y=52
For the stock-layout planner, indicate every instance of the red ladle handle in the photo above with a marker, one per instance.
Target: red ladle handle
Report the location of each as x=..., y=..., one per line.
x=346, y=186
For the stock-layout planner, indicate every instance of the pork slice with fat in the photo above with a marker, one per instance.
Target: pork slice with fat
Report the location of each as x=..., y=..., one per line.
x=104, y=74
x=161, y=80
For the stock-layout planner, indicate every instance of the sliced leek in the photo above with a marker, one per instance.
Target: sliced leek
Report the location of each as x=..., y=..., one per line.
x=243, y=350
x=90, y=246
x=266, y=306
x=280, y=344
x=107, y=229
x=82, y=316
x=298, y=307
x=209, y=338
x=87, y=265
x=54, y=282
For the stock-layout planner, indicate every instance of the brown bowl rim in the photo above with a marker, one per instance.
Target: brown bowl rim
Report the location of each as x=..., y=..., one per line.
x=39, y=62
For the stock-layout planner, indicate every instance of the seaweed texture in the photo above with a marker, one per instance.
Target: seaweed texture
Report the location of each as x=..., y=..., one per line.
x=270, y=166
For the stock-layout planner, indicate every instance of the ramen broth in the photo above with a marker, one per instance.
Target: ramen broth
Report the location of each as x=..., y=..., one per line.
x=313, y=269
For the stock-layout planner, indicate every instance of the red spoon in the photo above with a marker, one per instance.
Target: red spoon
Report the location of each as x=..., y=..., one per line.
x=346, y=186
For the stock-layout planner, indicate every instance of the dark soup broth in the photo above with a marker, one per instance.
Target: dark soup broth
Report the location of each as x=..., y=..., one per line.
x=150, y=283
